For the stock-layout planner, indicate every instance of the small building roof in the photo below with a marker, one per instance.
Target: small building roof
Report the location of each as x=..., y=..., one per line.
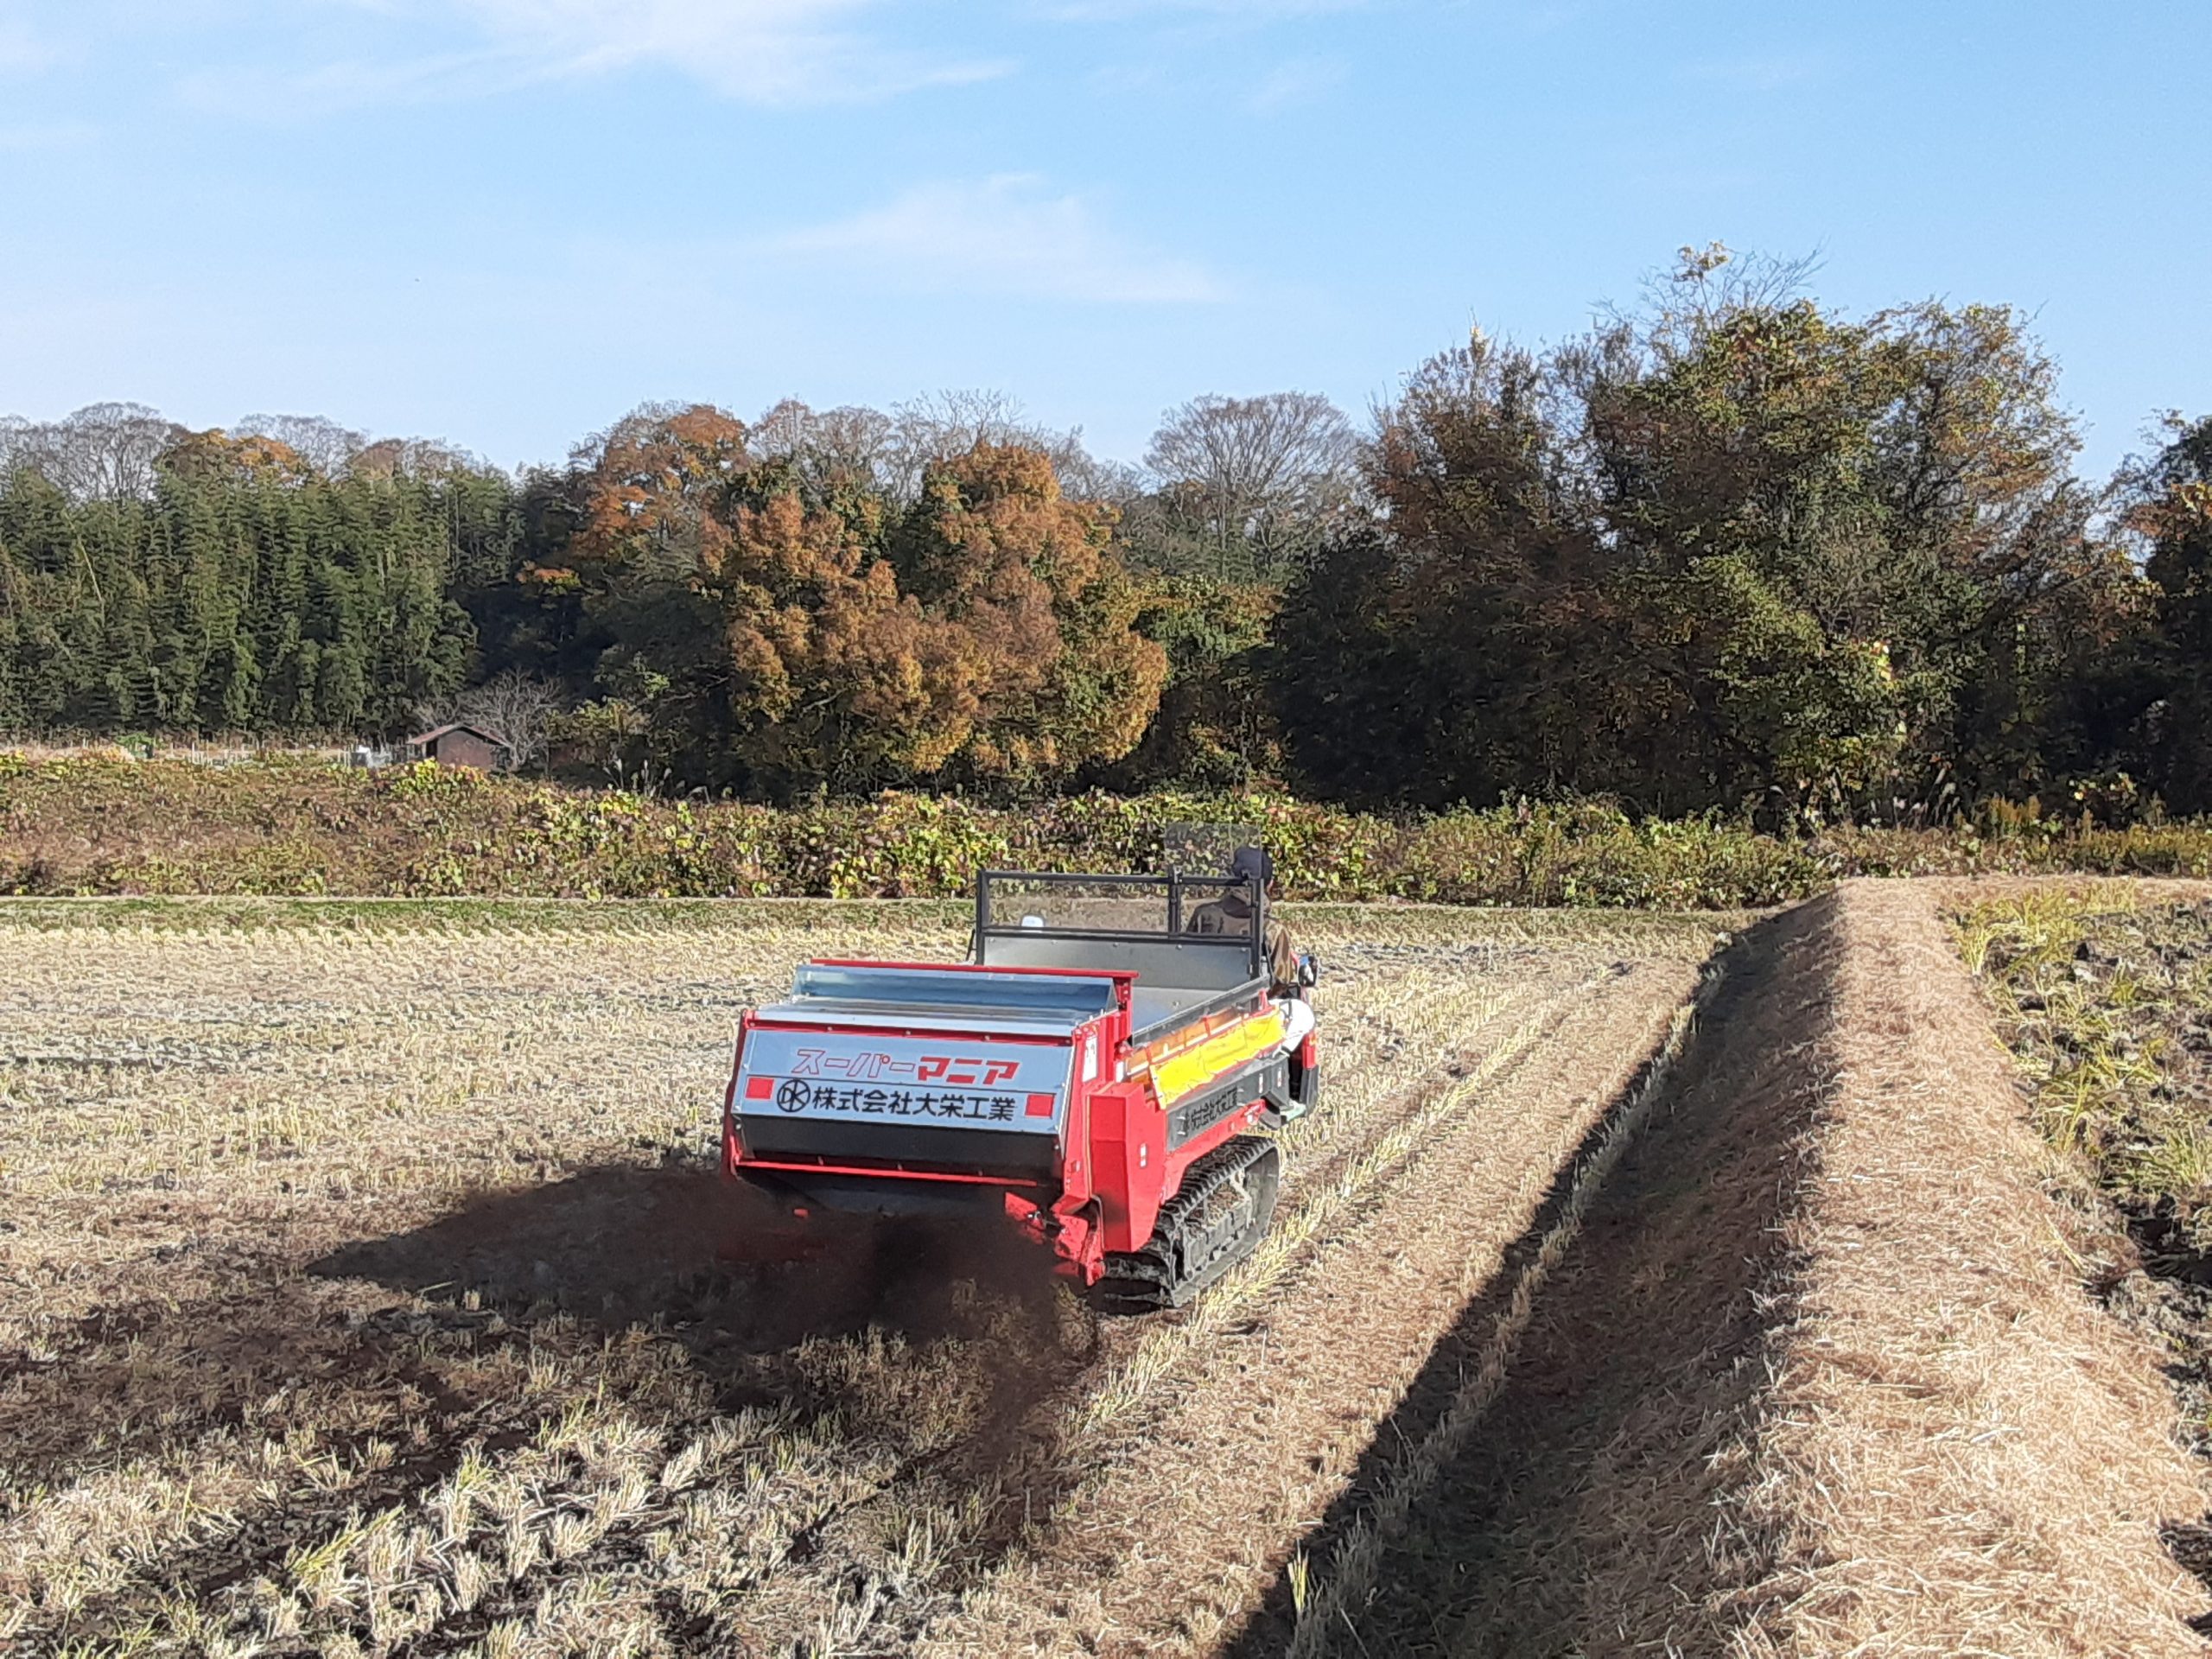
x=437, y=732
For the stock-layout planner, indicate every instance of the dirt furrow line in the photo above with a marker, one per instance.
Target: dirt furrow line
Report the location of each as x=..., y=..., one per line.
x=1353, y=1565
x=1189, y=1510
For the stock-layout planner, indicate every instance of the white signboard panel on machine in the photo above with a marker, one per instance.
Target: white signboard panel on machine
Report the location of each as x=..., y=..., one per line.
x=1019, y=1087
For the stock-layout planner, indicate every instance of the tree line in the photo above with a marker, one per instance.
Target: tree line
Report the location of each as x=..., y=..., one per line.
x=1730, y=551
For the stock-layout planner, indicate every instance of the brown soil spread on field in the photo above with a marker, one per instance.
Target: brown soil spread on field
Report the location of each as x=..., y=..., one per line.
x=1822, y=1378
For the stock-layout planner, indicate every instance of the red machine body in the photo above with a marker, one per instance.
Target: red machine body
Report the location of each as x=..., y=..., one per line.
x=1072, y=1089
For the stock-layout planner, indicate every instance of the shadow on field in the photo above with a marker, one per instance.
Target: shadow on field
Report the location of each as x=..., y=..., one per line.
x=684, y=1254
x=954, y=1332
x=957, y=1335
x=1595, y=1453
x=683, y=1250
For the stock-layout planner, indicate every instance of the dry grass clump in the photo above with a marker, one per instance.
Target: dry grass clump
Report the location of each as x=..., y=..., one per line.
x=1957, y=1451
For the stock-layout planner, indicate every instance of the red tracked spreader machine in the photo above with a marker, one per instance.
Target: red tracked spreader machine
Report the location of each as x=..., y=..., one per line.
x=1094, y=1076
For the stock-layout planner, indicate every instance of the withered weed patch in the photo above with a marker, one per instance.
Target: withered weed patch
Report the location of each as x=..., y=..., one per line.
x=2106, y=1001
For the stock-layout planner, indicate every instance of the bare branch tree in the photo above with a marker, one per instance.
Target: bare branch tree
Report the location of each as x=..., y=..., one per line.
x=323, y=444
x=828, y=447
x=14, y=444
x=514, y=710
x=103, y=452
x=1087, y=477
x=1266, y=476
x=1706, y=286
x=926, y=430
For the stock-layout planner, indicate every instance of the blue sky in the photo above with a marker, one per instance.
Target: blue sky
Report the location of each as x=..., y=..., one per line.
x=504, y=222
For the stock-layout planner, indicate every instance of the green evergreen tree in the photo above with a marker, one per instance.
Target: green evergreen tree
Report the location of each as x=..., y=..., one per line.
x=246, y=593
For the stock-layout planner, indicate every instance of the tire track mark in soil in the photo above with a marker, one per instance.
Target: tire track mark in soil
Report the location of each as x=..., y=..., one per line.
x=1190, y=1507
x=1555, y=1497
x=1462, y=1023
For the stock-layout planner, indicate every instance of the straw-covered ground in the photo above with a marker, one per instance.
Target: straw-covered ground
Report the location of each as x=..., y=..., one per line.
x=364, y=1290
x=1823, y=1375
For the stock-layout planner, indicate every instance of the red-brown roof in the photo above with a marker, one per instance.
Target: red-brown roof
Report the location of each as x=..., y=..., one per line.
x=437, y=732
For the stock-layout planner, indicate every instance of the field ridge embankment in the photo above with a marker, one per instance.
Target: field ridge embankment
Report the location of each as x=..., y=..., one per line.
x=1822, y=1378
x=1960, y=1450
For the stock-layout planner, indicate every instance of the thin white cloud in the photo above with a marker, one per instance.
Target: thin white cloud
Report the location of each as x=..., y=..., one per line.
x=1005, y=234
x=763, y=51
x=776, y=52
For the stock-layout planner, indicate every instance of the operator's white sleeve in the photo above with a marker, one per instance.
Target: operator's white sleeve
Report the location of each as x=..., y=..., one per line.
x=1298, y=1021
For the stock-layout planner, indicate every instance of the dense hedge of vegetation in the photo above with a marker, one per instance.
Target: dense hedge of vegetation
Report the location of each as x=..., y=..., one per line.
x=96, y=824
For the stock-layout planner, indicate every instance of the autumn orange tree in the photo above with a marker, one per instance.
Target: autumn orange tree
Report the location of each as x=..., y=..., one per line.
x=1063, y=678
x=789, y=629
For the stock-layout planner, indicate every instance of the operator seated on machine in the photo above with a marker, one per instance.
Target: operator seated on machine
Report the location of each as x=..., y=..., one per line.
x=1232, y=914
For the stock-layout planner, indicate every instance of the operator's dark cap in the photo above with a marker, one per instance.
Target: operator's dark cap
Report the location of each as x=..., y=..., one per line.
x=1252, y=864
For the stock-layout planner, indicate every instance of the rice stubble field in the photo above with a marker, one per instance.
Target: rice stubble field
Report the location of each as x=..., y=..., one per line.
x=365, y=1289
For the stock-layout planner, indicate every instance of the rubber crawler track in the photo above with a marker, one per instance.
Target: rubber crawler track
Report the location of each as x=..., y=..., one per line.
x=1214, y=1222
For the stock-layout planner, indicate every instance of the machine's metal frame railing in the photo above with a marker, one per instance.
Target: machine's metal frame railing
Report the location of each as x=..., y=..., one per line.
x=1174, y=886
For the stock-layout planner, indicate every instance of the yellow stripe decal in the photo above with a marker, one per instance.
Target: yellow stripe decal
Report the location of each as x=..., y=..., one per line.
x=1174, y=1077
